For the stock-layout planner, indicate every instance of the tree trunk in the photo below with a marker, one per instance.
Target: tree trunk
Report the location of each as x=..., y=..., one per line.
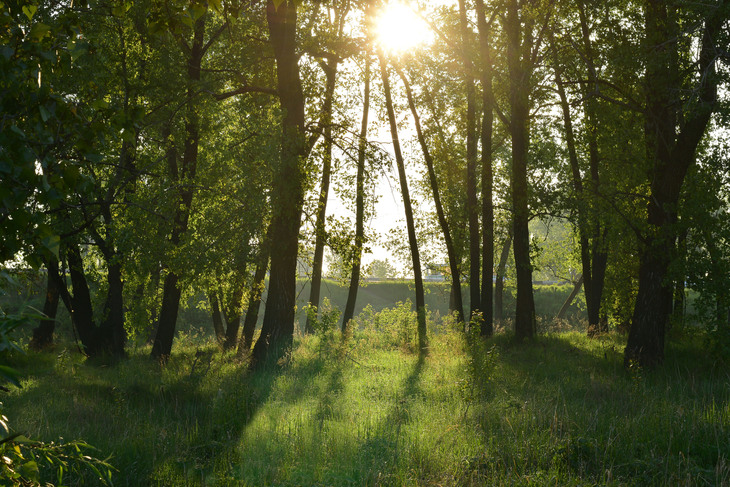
x=569, y=300
x=162, y=346
x=215, y=311
x=472, y=204
x=79, y=304
x=595, y=217
x=254, y=302
x=359, y=206
x=232, y=311
x=412, y=240
x=319, y=228
x=287, y=198
x=43, y=333
x=670, y=153
x=486, y=300
x=450, y=252
x=519, y=88
x=499, y=284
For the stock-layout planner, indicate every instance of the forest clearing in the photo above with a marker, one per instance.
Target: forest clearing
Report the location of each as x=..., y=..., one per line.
x=364, y=242
x=561, y=410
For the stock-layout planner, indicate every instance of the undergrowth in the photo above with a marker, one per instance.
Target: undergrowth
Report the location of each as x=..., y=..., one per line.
x=558, y=410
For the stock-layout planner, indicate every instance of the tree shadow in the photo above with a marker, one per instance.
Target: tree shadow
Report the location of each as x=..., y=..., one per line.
x=379, y=454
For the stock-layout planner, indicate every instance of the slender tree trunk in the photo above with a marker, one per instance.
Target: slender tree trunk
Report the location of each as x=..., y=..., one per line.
x=472, y=203
x=581, y=196
x=162, y=346
x=43, y=333
x=220, y=332
x=359, y=206
x=287, y=199
x=232, y=311
x=79, y=304
x=569, y=300
x=319, y=228
x=254, y=302
x=487, y=174
x=595, y=218
x=670, y=153
x=519, y=130
x=499, y=284
x=450, y=252
x=412, y=240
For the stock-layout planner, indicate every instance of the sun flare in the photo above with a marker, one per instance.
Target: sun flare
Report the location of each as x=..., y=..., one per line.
x=399, y=29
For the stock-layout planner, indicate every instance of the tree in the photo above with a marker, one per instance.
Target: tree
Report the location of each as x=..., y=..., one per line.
x=674, y=128
x=288, y=188
x=412, y=240
x=522, y=44
x=359, y=203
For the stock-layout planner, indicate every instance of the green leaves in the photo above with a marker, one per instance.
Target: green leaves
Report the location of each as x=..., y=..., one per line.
x=120, y=10
x=29, y=11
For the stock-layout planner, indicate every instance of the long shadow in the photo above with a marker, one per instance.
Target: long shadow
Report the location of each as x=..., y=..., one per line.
x=380, y=452
x=240, y=397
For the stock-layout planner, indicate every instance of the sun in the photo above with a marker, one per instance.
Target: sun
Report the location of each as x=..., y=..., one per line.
x=399, y=29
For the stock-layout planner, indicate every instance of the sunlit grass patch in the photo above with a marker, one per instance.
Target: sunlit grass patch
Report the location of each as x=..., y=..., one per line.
x=367, y=411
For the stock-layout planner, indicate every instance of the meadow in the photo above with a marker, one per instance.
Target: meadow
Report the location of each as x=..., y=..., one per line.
x=559, y=410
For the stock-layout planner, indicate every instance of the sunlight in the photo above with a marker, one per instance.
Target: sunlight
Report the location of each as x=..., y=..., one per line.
x=399, y=29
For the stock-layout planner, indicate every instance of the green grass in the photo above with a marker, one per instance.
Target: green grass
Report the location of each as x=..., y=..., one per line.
x=560, y=410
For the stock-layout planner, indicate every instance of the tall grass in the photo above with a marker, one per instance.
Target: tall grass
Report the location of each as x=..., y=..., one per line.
x=558, y=410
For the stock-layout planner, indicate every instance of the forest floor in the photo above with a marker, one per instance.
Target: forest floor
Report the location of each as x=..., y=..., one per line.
x=559, y=410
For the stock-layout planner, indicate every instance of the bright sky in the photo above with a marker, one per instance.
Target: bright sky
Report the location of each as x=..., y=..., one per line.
x=398, y=30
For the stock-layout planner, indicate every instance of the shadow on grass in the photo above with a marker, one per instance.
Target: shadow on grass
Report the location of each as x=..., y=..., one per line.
x=166, y=426
x=379, y=454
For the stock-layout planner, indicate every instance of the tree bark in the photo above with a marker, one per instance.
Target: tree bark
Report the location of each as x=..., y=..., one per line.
x=330, y=70
x=359, y=206
x=519, y=75
x=277, y=331
x=412, y=239
x=670, y=153
x=254, y=302
x=486, y=299
x=43, y=334
x=448, y=240
x=232, y=311
x=162, y=346
x=472, y=203
x=220, y=332
x=499, y=284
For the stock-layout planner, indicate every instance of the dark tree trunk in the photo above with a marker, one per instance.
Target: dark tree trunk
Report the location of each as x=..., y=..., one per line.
x=593, y=257
x=43, y=333
x=162, y=346
x=595, y=218
x=486, y=300
x=450, y=252
x=472, y=203
x=499, y=284
x=232, y=311
x=79, y=304
x=359, y=206
x=254, y=302
x=330, y=70
x=519, y=75
x=112, y=326
x=215, y=311
x=670, y=153
x=277, y=331
x=412, y=239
